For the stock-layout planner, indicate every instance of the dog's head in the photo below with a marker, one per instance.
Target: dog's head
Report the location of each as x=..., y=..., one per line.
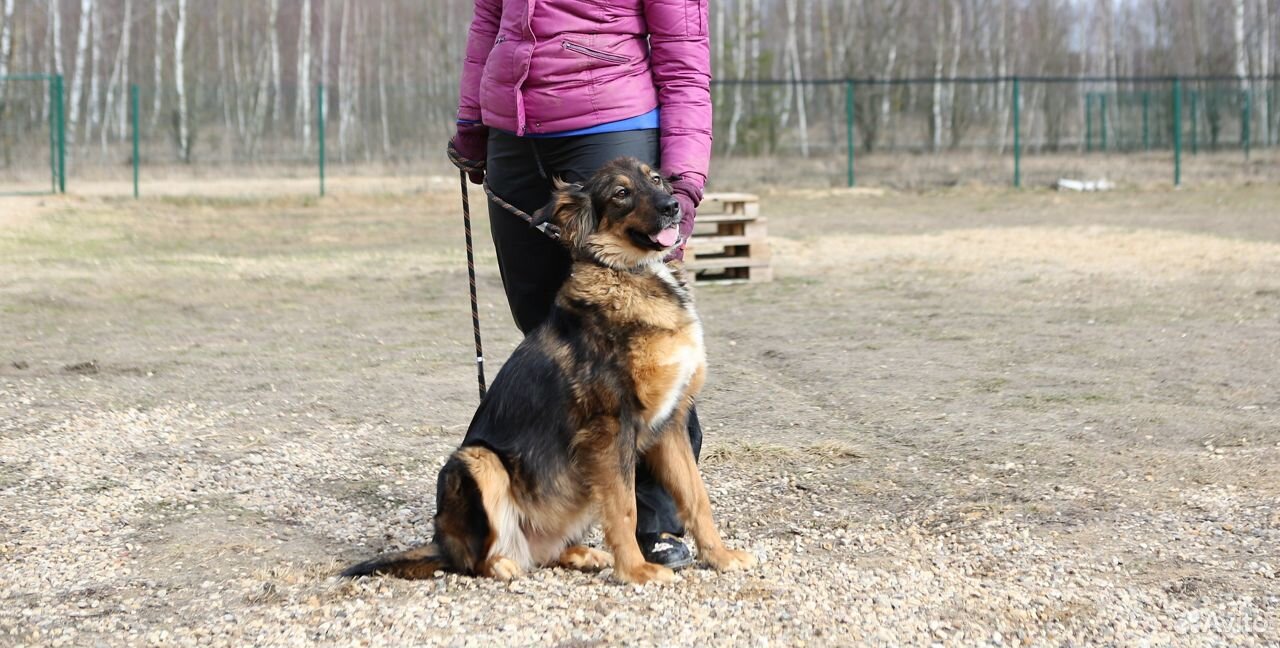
x=624, y=215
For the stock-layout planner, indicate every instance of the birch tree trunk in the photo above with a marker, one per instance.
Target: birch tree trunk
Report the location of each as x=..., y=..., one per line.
x=95, y=75
x=157, y=82
x=355, y=82
x=884, y=125
x=721, y=65
x=344, y=89
x=797, y=77
x=262, y=99
x=6, y=36
x=1264, y=68
x=77, y=76
x=304, y=75
x=238, y=85
x=179, y=81
x=957, y=27
x=53, y=42
x=935, y=125
x=226, y=91
x=276, y=85
x=741, y=73
x=324, y=44
x=55, y=18
x=6, y=45
x=119, y=71
x=1002, y=71
x=126, y=55
x=1241, y=54
x=384, y=109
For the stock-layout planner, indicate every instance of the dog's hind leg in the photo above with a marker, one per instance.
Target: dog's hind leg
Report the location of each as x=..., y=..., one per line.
x=507, y=555
x=671, y=461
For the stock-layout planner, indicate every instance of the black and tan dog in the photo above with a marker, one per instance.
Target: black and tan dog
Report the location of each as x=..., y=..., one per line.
x=607, y=379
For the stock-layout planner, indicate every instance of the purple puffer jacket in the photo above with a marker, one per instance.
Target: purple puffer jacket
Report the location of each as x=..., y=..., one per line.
x=547, y=66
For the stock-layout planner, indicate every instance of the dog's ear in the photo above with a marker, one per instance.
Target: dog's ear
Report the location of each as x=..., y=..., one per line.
x=570, y=211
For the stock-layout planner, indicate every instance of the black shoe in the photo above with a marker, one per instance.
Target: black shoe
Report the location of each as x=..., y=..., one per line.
x=665, y=549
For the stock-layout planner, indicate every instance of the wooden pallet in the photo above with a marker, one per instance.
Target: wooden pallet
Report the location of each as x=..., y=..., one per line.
x=729, y=242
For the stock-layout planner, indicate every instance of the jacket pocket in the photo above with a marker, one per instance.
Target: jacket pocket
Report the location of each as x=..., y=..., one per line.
x=595, y=53
x=695, y=16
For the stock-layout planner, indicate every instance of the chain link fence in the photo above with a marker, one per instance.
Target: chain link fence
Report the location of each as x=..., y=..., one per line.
x=29, y=128
x=1022, y=131
x=1028, y=131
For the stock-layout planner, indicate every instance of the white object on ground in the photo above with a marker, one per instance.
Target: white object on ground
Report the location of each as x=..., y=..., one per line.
x=1066, y=184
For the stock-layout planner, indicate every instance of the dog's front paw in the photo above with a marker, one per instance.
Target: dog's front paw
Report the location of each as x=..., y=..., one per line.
x=503, y=568
x=645, y=573
x=585, y=558
x=730, y=560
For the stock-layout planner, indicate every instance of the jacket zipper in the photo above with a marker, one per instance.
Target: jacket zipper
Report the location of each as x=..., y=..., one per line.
x=595, y=53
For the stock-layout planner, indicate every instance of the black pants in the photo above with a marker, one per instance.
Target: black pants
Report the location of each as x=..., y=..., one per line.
x=520, y=170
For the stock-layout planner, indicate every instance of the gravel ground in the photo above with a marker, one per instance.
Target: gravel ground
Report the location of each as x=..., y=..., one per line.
x=963, y=418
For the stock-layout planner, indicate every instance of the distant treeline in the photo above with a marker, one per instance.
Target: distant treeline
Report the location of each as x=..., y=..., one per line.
x=241, y=74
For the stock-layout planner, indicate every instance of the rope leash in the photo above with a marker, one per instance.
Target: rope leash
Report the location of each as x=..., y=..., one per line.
x=471, y=279
x=465, y=167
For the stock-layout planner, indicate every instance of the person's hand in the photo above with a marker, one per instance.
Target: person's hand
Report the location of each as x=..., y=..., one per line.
x=688, y=195
x=471, y=143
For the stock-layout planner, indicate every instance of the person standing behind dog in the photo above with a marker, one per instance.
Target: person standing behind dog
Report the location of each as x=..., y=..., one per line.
x=557, y=88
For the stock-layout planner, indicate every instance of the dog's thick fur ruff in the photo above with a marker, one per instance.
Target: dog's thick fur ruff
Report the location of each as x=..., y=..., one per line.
x=607, y=379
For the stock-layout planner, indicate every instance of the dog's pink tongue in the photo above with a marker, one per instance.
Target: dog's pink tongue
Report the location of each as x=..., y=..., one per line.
x=667, y=237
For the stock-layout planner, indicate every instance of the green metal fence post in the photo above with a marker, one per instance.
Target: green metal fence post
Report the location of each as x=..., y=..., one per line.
x=1268, y=129
x=59, y=108
x=1245, y=110
x=1177, y=132
x=1195, y=122
x=850, y=178
x=1017, y=132
x=320, y=130
x=1146, y=109
x=1088, y=122
x=1102, y=111
x=53, y=136
x=133, y=114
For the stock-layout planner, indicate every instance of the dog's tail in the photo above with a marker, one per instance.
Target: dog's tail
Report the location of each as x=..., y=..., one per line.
x=414, y=564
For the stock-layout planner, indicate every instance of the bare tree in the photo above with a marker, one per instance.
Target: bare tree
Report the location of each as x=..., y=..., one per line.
x=1263, y=26
x=55, y=35
x=392, y=68
x=935, y=123
x=304, y=74
x=119, y=79
x=957, y=26
x=95, y=72
x=6, y=45
x=346, y=89
x=180, y=82
x=77, y=77
x=325, y=40
x=384, y=25
x=797, y=78
x=740, y=59
x=157, y=66
x=266, y=73
x=277, y=86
